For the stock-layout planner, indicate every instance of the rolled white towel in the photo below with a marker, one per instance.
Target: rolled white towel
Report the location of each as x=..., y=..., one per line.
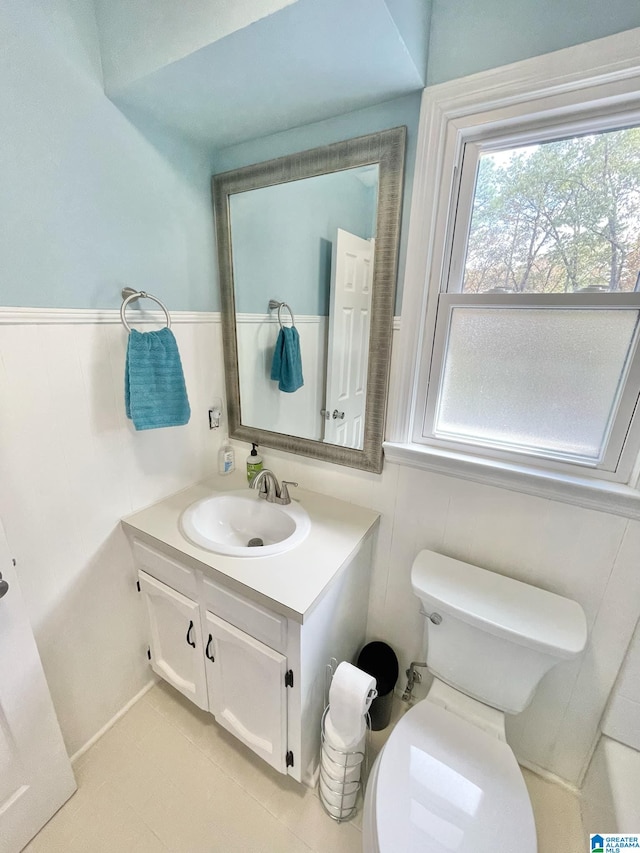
x=339, y=753
x=341, y=800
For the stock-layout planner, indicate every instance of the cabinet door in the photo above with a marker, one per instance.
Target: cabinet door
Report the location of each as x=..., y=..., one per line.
x=175, y=639
x=247, y=692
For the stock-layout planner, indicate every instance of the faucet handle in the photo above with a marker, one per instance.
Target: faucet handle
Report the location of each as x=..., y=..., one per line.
x=284, y=491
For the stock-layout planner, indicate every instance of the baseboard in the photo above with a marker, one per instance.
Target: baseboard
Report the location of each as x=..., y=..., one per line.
x=96, y=737
x=550, y=777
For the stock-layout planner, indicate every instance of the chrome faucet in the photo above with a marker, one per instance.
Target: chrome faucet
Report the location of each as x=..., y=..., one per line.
x=268, y=487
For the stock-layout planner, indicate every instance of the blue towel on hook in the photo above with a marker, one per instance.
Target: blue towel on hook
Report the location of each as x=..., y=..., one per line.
x=155, y=394
x=286, y=367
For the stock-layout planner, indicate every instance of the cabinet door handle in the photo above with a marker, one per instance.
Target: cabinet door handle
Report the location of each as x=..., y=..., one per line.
x=4, y=587
x=207, y=652
x=192, y=643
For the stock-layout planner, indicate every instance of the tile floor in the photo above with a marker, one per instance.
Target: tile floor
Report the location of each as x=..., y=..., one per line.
x=166, y=777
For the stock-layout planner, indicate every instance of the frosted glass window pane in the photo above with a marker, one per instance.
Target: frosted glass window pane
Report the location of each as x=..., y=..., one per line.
x=536, y=380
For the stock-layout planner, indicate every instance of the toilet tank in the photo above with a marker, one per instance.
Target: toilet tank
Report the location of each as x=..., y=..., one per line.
x=497, y=636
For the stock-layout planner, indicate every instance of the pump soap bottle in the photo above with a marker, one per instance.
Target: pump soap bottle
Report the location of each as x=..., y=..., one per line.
x=226, y=458
x=254, y=462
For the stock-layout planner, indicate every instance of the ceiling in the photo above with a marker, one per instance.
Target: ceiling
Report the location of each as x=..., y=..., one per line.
x=306, y=61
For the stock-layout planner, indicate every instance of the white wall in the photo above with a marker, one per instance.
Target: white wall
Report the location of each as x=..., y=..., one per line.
x=71, y=466
x=88, y=205
x=622, y=720
x=609, y=799
x=586, y=555
x=267, y=407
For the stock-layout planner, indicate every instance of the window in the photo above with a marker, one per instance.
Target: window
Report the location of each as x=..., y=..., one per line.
x=527, y=350
x=537, y=322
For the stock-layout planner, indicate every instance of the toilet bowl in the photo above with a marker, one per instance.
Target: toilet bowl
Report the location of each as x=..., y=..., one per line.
x=447, y=780
x=444, y=783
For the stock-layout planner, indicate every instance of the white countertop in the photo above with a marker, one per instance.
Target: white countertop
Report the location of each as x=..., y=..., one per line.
x=288, y=583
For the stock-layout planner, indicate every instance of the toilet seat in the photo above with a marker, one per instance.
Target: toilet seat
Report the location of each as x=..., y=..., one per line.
x=443, y=784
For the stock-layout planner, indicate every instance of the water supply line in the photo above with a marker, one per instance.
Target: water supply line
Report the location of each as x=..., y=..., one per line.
x=413, y=677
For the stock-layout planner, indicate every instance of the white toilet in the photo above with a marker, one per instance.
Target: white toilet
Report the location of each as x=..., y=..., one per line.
x=446, y=779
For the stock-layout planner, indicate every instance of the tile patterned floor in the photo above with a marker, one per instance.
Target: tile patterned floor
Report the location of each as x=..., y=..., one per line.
x=166, y=777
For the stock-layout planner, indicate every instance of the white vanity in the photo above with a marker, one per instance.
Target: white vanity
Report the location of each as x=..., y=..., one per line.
x=248, y=638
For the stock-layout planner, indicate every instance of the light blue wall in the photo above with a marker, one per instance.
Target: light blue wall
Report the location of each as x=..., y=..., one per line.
x=413, y=20
x=310, y=61
x=91, y=203
x=283, y=237
x=88, y=203
x=466, y=36
x=474, y=35
x=401, y=111
x=138, y=37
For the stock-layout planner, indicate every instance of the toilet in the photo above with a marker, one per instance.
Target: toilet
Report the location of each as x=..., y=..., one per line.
x=446, y=780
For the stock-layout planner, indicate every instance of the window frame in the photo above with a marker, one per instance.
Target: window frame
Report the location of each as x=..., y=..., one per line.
x=584, y=89
x=622, y=443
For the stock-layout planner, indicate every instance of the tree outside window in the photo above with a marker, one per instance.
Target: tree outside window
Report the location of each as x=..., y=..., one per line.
x=557, y=217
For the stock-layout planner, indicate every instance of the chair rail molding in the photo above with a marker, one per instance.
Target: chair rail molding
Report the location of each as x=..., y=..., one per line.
x=10, y=316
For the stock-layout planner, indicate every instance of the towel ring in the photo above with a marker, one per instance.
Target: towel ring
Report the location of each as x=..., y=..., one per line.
x=273, y=303
x=130, y=295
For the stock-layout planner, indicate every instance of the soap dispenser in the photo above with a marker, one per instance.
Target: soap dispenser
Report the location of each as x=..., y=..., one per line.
x=254, y=462
x=226, y=458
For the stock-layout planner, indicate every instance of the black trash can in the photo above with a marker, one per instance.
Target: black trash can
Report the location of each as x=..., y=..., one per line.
x=380, y=661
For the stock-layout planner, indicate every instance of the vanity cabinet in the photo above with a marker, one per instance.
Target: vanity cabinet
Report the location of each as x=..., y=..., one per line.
x=175, y=638
x=214, y=663
x=249, y=640
x=247, y=684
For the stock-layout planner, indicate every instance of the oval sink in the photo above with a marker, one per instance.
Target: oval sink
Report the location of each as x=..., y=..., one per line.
x=226, y=522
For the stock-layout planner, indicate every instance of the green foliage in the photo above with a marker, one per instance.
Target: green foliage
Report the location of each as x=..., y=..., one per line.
x=558, y=217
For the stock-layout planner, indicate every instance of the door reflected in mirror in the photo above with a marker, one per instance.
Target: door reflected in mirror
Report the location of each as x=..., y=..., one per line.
x=306, y=246
x=308, y=252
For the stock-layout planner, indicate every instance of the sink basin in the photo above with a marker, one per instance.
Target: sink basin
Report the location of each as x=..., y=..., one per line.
x=226, y=522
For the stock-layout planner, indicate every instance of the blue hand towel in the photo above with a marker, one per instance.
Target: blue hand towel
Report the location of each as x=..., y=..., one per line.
x=154, y=391
x=286, y=367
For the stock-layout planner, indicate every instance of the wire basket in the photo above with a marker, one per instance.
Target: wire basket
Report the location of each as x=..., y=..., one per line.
x=343, y=773
x=342, y=776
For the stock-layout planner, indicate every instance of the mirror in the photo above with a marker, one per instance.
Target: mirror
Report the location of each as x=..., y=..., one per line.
x=307, y=249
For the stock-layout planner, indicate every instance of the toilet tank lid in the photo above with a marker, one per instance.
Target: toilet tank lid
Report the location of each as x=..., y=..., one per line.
x=500, y=605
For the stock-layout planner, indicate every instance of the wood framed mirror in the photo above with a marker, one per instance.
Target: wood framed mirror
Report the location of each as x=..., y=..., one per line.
x=310, y=241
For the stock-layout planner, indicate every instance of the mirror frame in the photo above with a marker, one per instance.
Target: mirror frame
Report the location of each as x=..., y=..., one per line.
x=386, y=149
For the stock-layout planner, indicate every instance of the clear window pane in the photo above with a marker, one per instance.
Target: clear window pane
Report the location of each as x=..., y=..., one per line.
x=557, y=217
x=542, y=381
